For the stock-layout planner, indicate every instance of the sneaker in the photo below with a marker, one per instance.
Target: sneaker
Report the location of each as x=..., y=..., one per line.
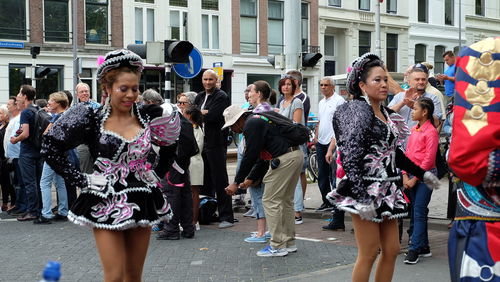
x=16, y=212
x=291, y=249
x=425, y=252
x=197, y=226
x=225, y=224
x=167, y=236
x=411, y=257
x=255, y=239
x=59, y=217
x=267, y=234
x=157, y=227
x=249, y=213
x=42, y=220
x=324, y=208
x=26, y=217
x=332, y=227
x=298, y=220
x=269, y=251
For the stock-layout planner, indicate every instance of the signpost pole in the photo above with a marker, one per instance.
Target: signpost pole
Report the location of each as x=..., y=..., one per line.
x=168, y=83
x=33, y=72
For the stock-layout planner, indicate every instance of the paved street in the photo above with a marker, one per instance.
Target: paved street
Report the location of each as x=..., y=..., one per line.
x=213, y=255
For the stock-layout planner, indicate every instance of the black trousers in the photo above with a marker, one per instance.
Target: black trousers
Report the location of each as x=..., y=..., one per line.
x=181, y=203
x=8, y=192
x=216, y=180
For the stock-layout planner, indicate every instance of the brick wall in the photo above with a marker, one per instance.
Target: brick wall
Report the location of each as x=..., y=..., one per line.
x=117, y=23
x=262, y=22
x=36, y=21
x=313, y=23
x=235, y=23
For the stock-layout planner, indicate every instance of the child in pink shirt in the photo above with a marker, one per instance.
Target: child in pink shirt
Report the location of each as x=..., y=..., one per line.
x=421, y=149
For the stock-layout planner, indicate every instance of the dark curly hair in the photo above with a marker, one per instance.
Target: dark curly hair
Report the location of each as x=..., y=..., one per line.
x=359, y=71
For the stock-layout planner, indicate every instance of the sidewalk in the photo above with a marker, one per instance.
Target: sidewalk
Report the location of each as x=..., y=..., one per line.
x=437, y=206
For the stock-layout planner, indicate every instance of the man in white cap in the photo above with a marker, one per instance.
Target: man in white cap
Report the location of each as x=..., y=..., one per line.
x=264, y=145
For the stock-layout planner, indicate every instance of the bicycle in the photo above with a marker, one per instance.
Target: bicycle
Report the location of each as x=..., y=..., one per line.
x=312, y=166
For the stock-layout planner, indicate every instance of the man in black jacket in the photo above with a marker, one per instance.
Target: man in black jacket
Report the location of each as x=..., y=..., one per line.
x=212, y=103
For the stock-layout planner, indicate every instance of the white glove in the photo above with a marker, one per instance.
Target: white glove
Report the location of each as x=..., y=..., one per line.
x=431, y=180
x=366, y=211
x=97, y=181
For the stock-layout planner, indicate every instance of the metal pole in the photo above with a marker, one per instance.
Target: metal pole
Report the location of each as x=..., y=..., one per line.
x=459, y=25
x=378, y=50
x=75, y=48
x=168, y=84
x=33, y=72
x=292, y=34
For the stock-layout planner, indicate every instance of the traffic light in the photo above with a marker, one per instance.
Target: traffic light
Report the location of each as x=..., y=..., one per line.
x=41, y=72
x=174, y=51
x=277, y=61
x=177, y=51
x=310, y=59
x=34, y=51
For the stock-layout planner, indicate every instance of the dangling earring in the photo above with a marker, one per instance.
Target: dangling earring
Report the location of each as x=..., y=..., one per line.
x=365, y=96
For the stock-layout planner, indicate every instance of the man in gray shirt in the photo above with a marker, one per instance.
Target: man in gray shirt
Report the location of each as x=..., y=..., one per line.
x=403, y=102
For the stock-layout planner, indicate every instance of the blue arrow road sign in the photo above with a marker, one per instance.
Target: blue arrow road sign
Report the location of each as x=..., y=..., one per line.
x=191, y=69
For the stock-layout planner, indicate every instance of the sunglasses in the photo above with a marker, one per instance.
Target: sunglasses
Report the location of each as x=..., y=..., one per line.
x=324, y=85
x=182, y=103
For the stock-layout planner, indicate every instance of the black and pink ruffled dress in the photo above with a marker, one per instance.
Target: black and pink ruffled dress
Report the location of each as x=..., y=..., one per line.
x=131, y=196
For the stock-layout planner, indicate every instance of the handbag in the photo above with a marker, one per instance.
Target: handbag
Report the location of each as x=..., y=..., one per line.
x=441, y=165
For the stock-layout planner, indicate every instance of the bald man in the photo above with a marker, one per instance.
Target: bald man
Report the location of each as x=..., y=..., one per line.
x=212, y=102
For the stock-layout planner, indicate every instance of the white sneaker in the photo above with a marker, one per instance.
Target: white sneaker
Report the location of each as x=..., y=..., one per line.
x=250, y=213
x=197, y=226
x=291, y=249
x=225, y=224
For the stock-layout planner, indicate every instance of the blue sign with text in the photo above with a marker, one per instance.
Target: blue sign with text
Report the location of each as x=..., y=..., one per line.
x=191, y=69
x=9, y=44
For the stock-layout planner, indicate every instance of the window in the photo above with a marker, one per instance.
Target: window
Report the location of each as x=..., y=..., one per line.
x=364, y=5
x=210, y=31
x=96, y=21
x=210, y=5
x=248, y=26
x=13, y=19
x=392, y=6
x=420, y=53
x=179, y=3
x=422, y=11
x=329, y=45
x=52, y=83
x=448, y=12
x=479, y=7
x=336, y=3
x=178, y=25
x=438, y=59
x=392, y=52
x=304, y=11
x=275, y=27
x=144, y=24
x=364, y=42
x=56, y=20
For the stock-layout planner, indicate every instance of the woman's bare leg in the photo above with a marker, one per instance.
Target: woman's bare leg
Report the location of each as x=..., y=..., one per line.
x=368, y=242
x=389, y=243
x=136, y=248
x=111, y=248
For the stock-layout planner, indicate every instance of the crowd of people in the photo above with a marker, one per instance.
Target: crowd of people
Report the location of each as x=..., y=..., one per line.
x=114, y=164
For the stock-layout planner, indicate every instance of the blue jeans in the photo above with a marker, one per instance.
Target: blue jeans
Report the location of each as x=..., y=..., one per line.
x=256, y=194
x=326, y=172
x=49, y=175
x=298, y=197
x=30, y=171
x=420, y=196
x=19, y=186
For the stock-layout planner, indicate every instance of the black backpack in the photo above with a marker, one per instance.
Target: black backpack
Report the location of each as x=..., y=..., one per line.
x=42, y=120
x=208, y=208
x=295, y=133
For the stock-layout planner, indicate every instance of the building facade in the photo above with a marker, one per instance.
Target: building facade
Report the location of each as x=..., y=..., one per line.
x=48, y=24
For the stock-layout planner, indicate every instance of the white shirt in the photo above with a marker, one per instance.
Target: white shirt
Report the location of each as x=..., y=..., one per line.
x=327, y=108
x=10, y=131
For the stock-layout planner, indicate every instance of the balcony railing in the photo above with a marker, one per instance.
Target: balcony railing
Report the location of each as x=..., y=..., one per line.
x=249, y=47
x=311, y=49
x=13, y=33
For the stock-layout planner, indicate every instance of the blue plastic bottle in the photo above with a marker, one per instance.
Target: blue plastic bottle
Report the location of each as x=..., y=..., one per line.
x=52, y=272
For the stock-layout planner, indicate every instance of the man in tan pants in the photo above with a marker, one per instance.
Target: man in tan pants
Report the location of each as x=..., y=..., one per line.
x=264, y=145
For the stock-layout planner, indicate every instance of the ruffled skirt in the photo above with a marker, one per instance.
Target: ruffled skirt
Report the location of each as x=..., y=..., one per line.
x=387, y=198
x=128, y=208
